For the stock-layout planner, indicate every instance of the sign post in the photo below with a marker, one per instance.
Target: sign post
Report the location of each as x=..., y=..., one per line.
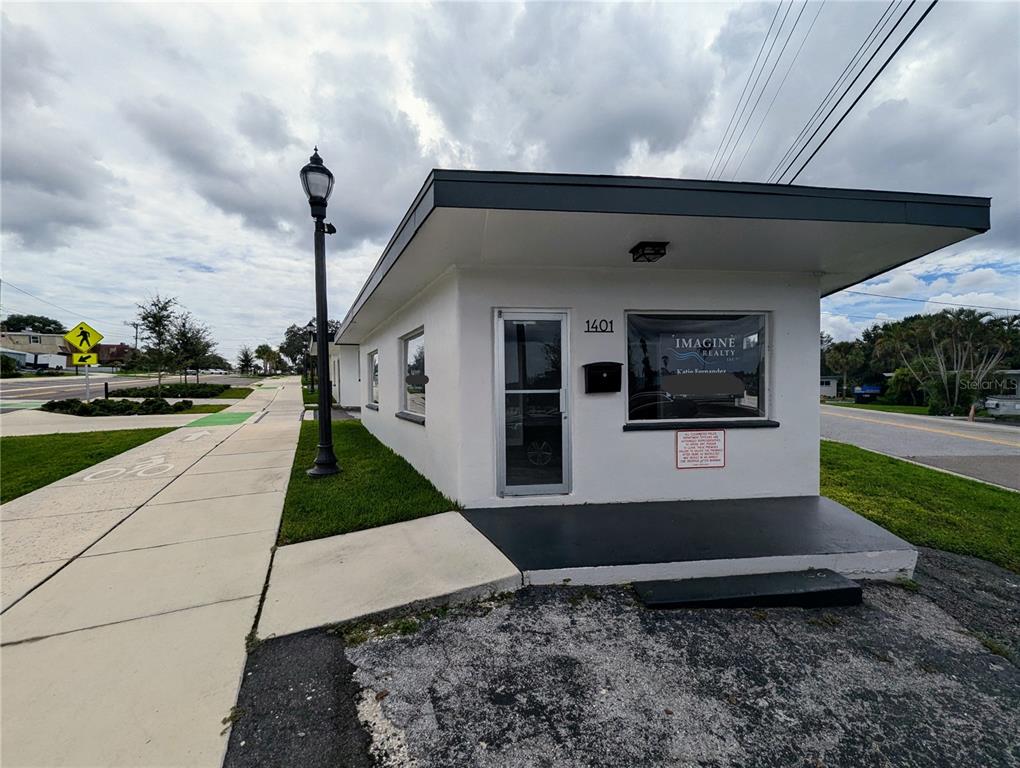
x=84, y=337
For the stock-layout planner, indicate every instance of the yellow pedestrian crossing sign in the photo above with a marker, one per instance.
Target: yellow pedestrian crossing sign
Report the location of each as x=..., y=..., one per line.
x=83, y=337
x=84, y=358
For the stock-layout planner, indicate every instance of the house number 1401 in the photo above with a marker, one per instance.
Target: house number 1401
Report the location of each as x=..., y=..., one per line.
x=598, y=326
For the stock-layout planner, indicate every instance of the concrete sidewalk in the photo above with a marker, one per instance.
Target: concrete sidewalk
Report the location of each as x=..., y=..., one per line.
x=131, y=652
x=437, y=559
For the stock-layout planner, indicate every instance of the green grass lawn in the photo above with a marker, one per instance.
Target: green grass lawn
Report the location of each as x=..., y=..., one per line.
x=925, y=507
x=205, y=408
x=376, y=487
x=921, y=410
x=236, y=393
x=312, y=398
x=33, y=461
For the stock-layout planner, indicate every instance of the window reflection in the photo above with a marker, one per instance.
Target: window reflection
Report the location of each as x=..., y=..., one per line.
x=414, y=374
x=695, y=366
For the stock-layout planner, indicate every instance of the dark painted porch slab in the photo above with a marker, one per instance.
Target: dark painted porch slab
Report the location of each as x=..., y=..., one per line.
x=537, y=538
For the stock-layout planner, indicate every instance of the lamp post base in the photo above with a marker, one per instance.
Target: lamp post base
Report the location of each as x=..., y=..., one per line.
x=325, y=464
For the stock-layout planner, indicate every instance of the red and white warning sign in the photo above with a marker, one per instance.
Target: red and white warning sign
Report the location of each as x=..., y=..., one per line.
x=700, y=448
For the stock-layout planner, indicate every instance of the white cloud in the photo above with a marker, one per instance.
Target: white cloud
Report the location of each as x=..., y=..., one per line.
x=155, y=147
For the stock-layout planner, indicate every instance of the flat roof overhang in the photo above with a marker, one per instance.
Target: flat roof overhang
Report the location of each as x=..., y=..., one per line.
x=482, y=218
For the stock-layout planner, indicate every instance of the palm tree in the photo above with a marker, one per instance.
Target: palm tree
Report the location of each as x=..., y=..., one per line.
x=265, y=353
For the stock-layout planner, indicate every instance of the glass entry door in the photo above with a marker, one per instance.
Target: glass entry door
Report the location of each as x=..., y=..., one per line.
x=533, y=437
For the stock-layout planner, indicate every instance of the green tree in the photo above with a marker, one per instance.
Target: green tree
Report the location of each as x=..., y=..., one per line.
x=190, y=342
x=156, y=319
x=8, y=367
x=295, y=341
x=295, y=345
x=952, y=353
x=245, y=360
x=843, y=357
x=37, y=323
x=215, y=361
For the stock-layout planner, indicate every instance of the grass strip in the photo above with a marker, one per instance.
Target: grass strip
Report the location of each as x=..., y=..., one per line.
x=375, y=487
x=923, y=506
x=205, y=408
x=918, y=410
x=32, y=461
x=236, y=393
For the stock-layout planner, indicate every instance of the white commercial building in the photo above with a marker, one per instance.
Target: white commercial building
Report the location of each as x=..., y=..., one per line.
x=557, y=339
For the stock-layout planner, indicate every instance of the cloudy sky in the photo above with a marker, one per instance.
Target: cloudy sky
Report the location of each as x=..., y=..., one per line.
x=155, y=147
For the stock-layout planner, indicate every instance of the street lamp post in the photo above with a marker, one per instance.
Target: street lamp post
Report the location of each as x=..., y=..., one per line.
x=318, y=183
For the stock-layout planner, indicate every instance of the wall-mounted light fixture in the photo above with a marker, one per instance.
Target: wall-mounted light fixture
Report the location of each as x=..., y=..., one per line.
x=649, y=251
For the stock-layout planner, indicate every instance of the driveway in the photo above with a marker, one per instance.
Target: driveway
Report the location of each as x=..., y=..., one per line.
x=571, y=676
x=989, y=452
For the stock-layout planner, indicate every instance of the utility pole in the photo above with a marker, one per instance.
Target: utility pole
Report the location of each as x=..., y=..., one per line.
x=134, y=325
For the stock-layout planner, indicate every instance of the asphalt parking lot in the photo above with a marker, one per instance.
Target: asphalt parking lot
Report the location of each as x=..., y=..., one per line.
x=563, y=676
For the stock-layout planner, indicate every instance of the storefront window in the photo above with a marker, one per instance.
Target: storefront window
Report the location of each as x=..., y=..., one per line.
x=695, y=366
x=373, y=376
x=414, y=373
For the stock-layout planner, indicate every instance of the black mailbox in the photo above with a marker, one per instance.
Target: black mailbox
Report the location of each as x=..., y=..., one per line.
x=602, y=377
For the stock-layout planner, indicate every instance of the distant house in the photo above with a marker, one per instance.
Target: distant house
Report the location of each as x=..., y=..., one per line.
x=38, y=348
x=829, y=388
x=113, y=354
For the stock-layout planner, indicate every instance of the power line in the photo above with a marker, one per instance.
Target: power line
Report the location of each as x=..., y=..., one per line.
x=861, y=95
x=932, y=301
x=9, y=284
x=750, y=74
x=783, y=82
x=765, y=85
x=720, y=170
x=858, y=317
x=847, y=90
x=875, y=31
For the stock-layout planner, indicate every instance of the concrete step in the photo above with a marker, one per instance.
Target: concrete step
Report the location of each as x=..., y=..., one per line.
x=806, y=589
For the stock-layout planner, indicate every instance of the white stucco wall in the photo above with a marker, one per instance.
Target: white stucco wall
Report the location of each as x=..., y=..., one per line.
x=345, y=375
x=457, y=447
x=431, y=448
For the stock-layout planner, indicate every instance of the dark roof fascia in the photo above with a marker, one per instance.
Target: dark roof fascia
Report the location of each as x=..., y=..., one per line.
x=572, y=193
x=726, y=199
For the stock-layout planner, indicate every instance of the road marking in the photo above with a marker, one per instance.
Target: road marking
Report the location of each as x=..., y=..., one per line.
x=925, y=429
x=150, y=467
x=14, y=390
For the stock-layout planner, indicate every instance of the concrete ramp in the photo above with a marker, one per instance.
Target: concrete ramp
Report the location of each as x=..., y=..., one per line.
x=431, y=560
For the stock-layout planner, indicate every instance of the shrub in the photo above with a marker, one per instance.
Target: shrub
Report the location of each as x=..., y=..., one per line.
x=176, y=390
x=8, y=367
x=151, y=406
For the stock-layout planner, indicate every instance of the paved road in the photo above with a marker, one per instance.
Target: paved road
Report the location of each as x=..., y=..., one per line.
x=989, y=452
x=16, y=393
